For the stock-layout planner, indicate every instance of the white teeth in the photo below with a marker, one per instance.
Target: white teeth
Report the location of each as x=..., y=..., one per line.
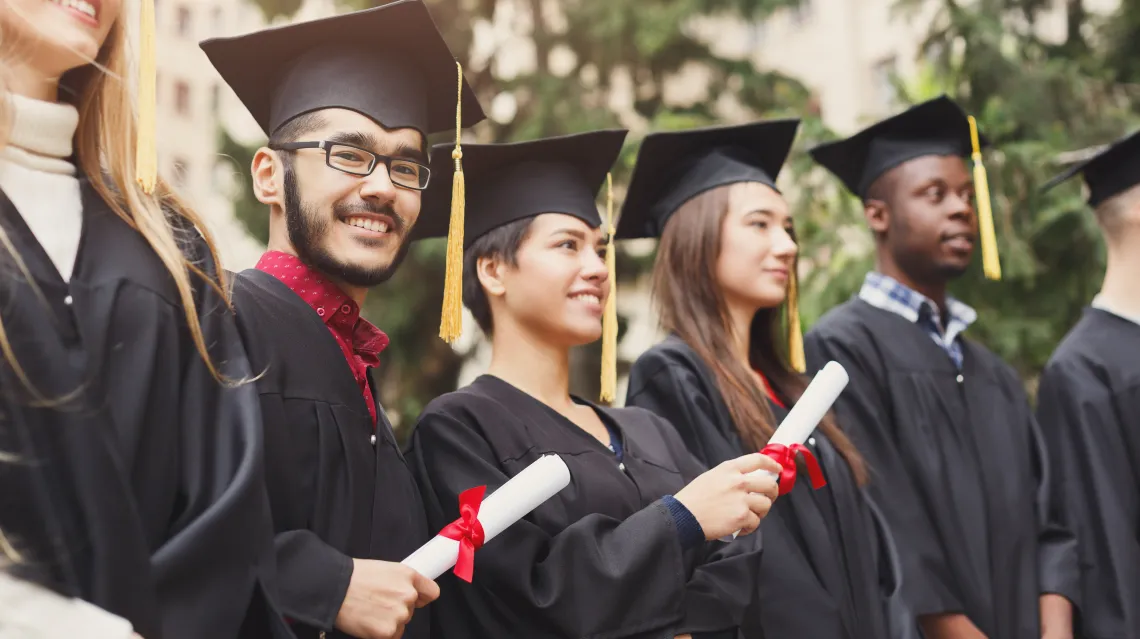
x=85, y=8
x=586, y=297
x=368, y=224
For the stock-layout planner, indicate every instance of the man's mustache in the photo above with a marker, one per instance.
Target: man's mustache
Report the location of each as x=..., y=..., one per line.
x=348, y=210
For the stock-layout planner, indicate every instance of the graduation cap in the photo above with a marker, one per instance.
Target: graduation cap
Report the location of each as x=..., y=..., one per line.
x=936, y=127
x=673, y=167
x=1109, y=172
x=389, y=63
x=510, y=182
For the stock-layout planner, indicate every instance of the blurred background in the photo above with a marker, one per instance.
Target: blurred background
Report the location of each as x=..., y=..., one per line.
x=1047, y=79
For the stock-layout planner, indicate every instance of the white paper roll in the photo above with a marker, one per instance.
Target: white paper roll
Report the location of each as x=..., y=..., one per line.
x=511, y=502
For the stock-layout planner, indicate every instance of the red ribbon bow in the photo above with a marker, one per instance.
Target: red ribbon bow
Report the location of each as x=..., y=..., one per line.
x=467, y=530
x=786, y=457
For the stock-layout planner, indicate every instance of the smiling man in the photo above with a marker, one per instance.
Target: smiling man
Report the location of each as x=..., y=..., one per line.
x=956, y=457
x=347, y=103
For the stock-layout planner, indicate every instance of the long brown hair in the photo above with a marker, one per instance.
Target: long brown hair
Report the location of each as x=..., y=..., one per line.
x=105, y=152
x=693, y=307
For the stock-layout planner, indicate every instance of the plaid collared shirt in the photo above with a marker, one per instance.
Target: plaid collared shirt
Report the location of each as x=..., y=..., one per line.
x=888, y=294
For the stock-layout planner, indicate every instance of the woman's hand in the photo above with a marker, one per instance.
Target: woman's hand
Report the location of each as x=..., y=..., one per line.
x=733, y=496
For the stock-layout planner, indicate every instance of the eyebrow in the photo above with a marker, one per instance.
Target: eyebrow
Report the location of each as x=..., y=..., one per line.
x=369, y=141
x=576, y=233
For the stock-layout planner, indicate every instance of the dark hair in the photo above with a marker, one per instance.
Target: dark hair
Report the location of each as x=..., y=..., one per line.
x=301, y=125
x=693, y=307
x=503, y=243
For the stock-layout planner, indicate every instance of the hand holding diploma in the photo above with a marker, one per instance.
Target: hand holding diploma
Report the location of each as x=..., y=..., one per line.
x=481, y=520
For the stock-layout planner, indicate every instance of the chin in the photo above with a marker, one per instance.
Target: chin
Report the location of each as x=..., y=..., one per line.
x=580, y=334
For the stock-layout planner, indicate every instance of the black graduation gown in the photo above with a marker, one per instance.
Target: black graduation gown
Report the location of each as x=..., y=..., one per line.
x=830, y=567
x=336, y=491
x=601, y=558
x=154, y=453
x=1088, y=405
x=958, y=468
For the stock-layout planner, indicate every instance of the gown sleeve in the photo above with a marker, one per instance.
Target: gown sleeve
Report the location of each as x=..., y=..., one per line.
x=726, y=580
x=1092, y=458
x=865, y=414
x=596, y=577
x=672, y=391
x=217, y=555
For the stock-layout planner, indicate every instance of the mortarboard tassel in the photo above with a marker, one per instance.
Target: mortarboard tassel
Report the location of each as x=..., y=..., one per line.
x=991, y=265
x=795, y=333
x=609, y=318
x=146, y=155
x=451, y=318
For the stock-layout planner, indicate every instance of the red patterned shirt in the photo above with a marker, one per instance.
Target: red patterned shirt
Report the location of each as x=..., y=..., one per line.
x=359, y=340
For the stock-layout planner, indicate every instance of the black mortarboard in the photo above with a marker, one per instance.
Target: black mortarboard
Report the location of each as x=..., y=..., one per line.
x=389, y=63
x=1109, y=172
x=675, y=166
x=936, y=127
x=508, y=182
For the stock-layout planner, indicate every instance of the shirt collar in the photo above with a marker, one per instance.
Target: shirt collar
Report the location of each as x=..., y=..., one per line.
x=889, y=294
x=1102, y=304
x=336, y=309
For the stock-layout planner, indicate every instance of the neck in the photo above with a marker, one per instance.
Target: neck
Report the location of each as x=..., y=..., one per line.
x=740, y=317
x=1120, y=290
x=282, y=244
x=31, y=83
x=537, y=368
x=935, y=290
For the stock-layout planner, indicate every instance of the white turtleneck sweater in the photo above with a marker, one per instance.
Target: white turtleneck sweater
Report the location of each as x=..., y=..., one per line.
x=37, y=176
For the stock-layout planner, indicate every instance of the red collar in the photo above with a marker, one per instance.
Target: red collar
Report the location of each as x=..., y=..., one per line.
x=339, y=311
x=771, y=392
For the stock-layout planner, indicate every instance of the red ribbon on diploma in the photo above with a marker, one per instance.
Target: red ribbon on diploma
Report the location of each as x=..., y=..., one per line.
x=467, y=531
x=786, y=457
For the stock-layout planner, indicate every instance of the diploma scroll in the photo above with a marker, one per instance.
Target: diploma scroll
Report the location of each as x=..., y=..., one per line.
x=511, y=502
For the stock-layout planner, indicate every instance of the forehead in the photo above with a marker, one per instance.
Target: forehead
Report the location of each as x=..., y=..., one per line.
x=548, y=223
x=348, y=121
x=745, y=197
x=947, y=168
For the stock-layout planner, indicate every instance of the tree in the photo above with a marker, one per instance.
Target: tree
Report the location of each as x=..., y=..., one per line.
x=581, y=50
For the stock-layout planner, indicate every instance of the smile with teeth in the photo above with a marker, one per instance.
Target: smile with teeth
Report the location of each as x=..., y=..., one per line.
x=368, y=224
x=85, y=8
x=587, y=297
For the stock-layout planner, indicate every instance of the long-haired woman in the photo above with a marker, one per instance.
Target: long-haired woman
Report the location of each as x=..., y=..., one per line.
x=629, y=548
x=119, y=346
x=724, y=378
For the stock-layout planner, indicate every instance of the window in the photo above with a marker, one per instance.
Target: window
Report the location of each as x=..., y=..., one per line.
x=180, y=172
x=182, y=98
x=184, y=25
x=216, y=23
x=215, y=99
x=801, y=13
x=882, y=81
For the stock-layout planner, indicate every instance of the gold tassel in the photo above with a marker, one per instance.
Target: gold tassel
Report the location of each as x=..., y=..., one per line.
x=795, y=333
x=451, y=317
x=609, y=318
x=146, y=155
x=991, y=265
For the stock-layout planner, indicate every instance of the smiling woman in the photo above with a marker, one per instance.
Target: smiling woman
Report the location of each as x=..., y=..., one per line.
x=121, y=358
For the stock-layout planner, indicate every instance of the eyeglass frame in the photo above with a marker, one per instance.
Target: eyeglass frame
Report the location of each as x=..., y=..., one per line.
x=327, y=145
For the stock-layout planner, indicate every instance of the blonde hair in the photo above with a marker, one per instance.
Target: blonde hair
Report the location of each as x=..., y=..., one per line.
x=105, y=151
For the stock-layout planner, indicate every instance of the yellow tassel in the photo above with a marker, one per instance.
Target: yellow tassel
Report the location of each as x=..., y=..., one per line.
x=451, y=317
x=609, y=318
x=795, y=333
x=991, y=265
x=146, y=155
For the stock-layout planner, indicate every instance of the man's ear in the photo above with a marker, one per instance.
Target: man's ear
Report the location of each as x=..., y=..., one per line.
x=268, y=174
x=490, y=271
x=878, y=216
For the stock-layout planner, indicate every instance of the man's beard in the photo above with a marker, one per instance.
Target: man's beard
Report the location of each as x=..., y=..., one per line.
x=308, y=228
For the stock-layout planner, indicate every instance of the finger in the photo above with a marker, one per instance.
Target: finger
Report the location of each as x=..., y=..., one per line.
x=750, y=525
x=761, y=483
x=759, y=504
x=769, y=464
x=428, y=590
x=750, y=463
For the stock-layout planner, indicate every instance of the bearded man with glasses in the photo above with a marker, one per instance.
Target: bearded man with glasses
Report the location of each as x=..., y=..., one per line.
x=347, y=103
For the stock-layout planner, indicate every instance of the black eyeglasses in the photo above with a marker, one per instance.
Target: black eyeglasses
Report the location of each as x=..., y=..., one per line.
x=361, y=162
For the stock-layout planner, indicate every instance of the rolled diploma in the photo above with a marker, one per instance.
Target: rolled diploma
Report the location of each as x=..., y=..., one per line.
x=511, y=502
x=806, y=414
